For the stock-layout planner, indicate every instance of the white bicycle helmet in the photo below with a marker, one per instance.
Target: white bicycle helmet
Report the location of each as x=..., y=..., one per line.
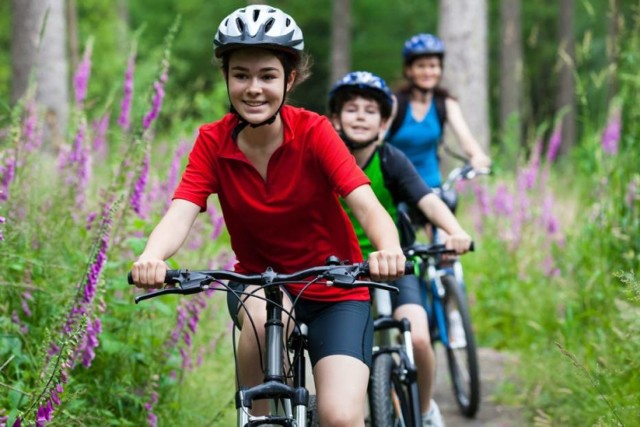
x=258, y=25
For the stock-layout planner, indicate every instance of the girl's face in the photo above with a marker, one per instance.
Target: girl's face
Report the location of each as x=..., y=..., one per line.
x=256, y=82
x=425, y=72
x=360, y=119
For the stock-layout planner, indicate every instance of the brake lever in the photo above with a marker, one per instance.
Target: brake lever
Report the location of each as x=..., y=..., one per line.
x=181, y=288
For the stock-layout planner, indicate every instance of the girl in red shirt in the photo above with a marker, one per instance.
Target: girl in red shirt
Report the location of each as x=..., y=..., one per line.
x=278, y=172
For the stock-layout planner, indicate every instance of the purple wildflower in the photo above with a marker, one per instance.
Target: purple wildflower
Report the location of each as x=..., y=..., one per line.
x=91, y=342
x=156, y=103
x=32, y=136
x=81, y=77
x=125, y=105
x=611, y=133
x=25, y=307
x=217, y=221
x=18, y=422
x=503, y=201
x=8, y=172
x=91, y=217
x=138, y=189
x=99, y=135
x=95, y=270
x=174, y=169
x=2, y=221
x=549, y=221
x=152, y=419
x=529, y=175
x=554, y=143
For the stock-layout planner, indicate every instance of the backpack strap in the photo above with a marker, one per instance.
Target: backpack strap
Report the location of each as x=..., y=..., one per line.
x=403, y=104
x=441, y=109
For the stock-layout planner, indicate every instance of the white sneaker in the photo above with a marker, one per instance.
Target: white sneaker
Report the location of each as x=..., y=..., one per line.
x=433, y=418
x=457, y=337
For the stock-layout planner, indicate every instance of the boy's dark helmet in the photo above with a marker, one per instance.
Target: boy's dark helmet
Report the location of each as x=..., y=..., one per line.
x=361, y=80
x=261, y=26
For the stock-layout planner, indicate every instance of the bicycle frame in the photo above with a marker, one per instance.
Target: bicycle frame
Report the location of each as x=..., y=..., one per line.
x=274, y=385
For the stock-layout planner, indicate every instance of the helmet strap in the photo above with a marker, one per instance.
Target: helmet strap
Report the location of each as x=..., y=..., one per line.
x=351, y=144
x=243, y=123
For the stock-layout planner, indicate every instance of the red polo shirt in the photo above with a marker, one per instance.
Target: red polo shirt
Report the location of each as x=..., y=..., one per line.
x=294, y=219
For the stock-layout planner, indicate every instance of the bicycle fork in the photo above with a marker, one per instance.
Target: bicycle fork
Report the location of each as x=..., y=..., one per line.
x=439, y=294
x=274, y=385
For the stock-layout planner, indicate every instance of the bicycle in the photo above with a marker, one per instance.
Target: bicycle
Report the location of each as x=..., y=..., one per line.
x=445, y=300
x=393, y=388
x=285, y=388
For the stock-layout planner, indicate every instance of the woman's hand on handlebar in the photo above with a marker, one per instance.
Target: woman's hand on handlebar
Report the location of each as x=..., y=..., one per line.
x=149, y=272
x=480, y=161
x=460, y=242
x=386, y=265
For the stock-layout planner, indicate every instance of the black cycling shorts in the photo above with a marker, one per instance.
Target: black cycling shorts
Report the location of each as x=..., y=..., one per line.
x=334, y=328
x=409, y=291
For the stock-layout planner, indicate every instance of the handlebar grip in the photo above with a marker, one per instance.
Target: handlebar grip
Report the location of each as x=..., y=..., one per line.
x=409, y=267
x=171, y=275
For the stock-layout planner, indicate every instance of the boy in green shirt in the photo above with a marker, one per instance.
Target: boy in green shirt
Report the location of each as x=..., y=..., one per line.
x=360, y=106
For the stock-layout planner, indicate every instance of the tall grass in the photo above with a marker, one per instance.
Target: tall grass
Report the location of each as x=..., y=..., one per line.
x=554, y=279
x=74, y=349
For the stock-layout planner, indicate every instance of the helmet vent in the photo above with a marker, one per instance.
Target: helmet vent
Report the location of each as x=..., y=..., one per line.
x=269, y=24
x=240, y=25
x=287, y=22
x=256, y=15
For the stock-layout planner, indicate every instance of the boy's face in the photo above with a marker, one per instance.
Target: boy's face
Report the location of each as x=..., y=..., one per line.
x=360, y=119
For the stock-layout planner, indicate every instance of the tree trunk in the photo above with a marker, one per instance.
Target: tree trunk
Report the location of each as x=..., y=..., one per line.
x=72, y=28
x=463, y=28
x=44, y=56
x=511, y=70
x=340, y=39
x=566, y=102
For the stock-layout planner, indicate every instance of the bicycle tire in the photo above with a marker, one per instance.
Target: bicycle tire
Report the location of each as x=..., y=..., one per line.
x=312, y=412
x=391, y=403
x=462, y=360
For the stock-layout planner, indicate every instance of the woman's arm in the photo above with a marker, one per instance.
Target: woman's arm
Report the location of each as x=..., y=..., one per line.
x=163, y=242
x=439, y=214
x=388, y=262
x=471, y=147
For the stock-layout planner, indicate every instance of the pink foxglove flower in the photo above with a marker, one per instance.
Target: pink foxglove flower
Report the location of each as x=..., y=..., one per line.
x=611, y=133
x=125, y=106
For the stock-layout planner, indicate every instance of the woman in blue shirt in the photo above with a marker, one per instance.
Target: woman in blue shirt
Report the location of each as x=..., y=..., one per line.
x=423, y=109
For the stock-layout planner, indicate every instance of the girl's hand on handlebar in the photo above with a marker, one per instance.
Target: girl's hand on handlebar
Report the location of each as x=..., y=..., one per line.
x=149, y=272
x=386, y=265
x=460, y=242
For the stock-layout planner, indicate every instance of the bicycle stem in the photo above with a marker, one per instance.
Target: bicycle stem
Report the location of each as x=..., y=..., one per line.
x=273, y=328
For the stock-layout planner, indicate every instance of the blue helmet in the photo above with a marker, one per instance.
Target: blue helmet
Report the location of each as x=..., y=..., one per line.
x=362, y=80
x=422, y=44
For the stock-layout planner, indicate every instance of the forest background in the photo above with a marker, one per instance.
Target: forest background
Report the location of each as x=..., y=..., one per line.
x=95, y=126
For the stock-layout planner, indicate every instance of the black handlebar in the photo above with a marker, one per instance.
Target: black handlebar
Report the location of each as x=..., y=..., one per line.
x=342, y=275
x=430, y=250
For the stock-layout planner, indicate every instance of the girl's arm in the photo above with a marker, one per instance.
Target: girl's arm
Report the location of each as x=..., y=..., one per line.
x=478, y=159
x=439, y=214
x=163, y=242
x=388, y=262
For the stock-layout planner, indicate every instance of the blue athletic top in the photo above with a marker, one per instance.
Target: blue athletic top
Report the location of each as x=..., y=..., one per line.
x=419, y=141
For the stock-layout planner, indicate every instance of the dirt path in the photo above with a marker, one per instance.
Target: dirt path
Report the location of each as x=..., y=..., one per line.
x=492, y=373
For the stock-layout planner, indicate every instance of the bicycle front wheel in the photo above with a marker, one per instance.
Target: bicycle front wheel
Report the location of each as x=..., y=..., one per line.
x=461, y=349
x=392, y=403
